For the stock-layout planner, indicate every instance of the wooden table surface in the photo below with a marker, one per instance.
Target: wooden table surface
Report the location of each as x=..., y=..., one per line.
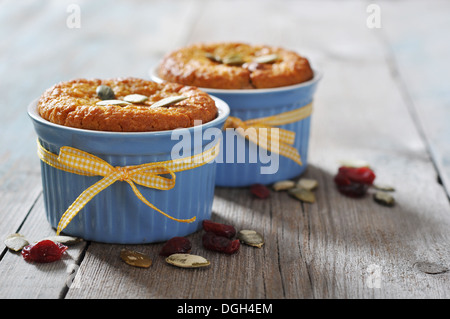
x=384, y=98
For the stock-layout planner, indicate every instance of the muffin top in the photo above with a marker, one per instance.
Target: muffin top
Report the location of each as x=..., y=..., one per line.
x=234, y=66
x=125, y=105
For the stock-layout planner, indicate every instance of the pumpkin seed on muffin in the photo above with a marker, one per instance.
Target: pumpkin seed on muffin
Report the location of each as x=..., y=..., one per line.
x=135, y=98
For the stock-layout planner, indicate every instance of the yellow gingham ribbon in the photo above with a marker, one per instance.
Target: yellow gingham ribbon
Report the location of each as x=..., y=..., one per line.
x=279, y=142
x=79, y=162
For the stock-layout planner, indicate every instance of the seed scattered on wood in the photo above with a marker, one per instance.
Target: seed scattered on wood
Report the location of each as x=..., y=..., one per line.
x=283, y=185
x=270, y=58
x=234, y=59
x=385, y=188
x=221, y=244
x=251, y=238
x=187, y=261
x=169, y=101
x=176, y=245
x=308, y=184
x=384, y=198
x=16, y=242
x=113, y=102
x=302, y=194
x=66, y=240
x=356, y=163
x=136, y=259
x=135, y=98
x=213, y=57
x=105, y=92
x=260, y=191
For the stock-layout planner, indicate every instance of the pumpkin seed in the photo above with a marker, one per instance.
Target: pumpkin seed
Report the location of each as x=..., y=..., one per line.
x=104, y=92
x=16, y=242
x=134, y=258
x=113, y=102
x=169, y=101
x=385, y=188
x=308, y=184
x=251, y=238
x=283, y=185
x=135, y=98
x=234, y=59
x=187, y=261
x=270, y=58
x=303, y=195
x=384, y=198
x=356, y=163
x=213, y=57
x=66, y=240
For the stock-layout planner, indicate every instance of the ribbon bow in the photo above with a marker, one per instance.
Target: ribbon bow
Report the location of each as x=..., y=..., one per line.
x=149, y=175
x=280, y=140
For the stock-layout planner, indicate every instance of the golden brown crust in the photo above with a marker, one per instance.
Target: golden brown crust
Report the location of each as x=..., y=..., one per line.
x=73, y=104
x=191, y=66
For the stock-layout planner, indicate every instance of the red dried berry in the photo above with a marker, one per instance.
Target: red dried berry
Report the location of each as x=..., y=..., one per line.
x=176, y=245
x=363, y=175
x=354, y=182
x=220, y=244
x=45, y=251
x=219, y=229
x=260, y=191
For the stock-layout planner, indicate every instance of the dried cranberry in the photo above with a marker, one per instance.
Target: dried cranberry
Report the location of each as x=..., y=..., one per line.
x=354, y=182
x=45, y=251
x=219, y=229
x=176, y=245
x=220, y=244
x=260, y=191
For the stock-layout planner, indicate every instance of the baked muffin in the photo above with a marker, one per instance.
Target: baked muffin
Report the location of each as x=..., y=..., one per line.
x=101, y=105
x=234, y=66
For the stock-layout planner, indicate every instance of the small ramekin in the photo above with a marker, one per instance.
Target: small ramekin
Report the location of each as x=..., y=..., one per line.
x=116, y=215
x=242, y=170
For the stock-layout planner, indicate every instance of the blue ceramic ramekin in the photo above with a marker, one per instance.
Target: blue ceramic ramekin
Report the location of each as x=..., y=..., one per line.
x=116, y=215
x=239, y=167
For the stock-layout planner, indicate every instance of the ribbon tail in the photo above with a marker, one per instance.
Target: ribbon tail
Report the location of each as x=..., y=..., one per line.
x=83, y=199
x=146, y=202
